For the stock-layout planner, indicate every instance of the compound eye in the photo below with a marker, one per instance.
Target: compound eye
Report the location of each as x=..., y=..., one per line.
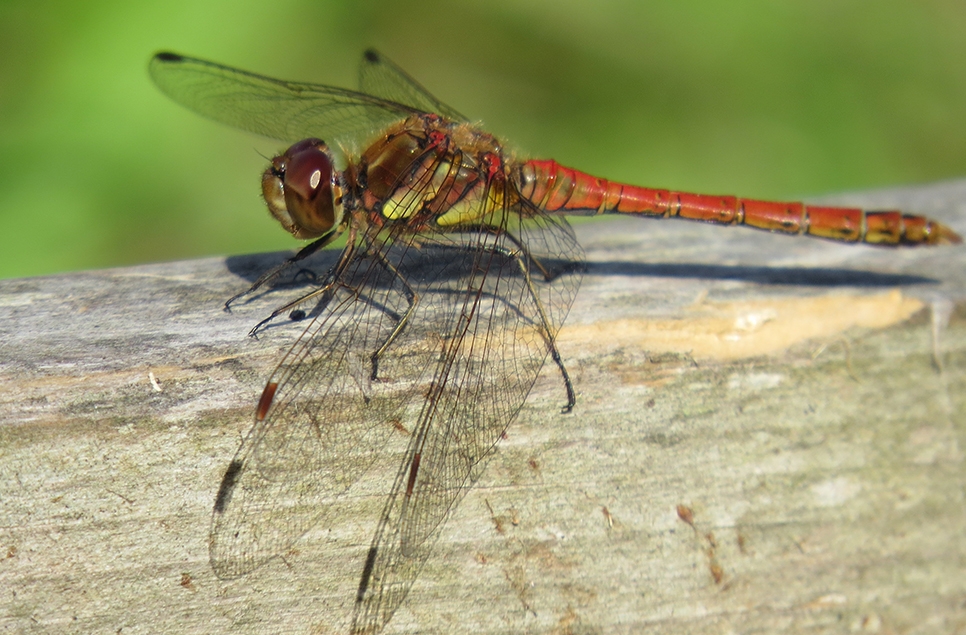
x=308, y=173
x=303, y=175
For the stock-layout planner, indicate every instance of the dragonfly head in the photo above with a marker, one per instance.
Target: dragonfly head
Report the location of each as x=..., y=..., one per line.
x=304, y=190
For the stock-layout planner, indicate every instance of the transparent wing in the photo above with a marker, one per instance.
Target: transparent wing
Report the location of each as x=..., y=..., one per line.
x=381, y=77
x=323, y=421
x=503, y=316
x=288, y=111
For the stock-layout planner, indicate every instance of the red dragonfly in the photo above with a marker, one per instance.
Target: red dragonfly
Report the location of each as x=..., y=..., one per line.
x=458, y=272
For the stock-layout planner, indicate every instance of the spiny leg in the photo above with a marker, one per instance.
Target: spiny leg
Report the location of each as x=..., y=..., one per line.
x=413, y=299
x=522, y=257
x=277, y=270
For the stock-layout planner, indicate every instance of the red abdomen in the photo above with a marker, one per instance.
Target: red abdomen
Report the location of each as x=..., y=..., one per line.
x=556, y=188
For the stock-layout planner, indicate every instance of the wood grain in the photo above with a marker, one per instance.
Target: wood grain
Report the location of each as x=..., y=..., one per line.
x=769, y=437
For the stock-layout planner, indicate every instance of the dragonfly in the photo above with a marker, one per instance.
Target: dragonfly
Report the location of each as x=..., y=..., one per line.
x=458, y=271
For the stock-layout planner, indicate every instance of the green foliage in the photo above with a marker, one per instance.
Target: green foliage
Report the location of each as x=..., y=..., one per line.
x=761, y=99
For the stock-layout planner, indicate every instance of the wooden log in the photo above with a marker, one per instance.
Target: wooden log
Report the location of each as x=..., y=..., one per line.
x=769, y=437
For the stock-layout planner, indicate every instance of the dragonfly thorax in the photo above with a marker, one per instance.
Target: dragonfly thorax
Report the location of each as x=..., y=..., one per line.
x=427, y=172
x=303, y=190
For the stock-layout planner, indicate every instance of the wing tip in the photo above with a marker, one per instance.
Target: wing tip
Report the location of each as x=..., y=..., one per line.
x=168, y=56
x=228, y=483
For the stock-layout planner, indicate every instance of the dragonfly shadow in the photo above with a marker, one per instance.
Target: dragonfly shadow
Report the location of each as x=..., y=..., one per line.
x=438, y=274
x=249, y=267
x=798, y=276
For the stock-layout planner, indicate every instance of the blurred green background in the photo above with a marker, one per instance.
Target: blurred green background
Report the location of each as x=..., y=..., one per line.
x=758, y=98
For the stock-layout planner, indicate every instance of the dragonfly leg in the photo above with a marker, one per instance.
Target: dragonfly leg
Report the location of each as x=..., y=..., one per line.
x=411, y=296
x=547, y=332
x=568, y=384
x=523, y=257
x=277, y=270
x=325, y=290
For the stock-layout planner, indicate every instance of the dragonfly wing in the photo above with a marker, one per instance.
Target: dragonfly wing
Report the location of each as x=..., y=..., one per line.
x=504, y=317
x=379, y=76
x=288, y=111
x=322, y=421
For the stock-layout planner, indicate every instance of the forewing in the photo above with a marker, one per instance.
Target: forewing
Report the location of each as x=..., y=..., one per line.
x=326, y=423
x=379, y=76
x=275, y=108
x=506, y=313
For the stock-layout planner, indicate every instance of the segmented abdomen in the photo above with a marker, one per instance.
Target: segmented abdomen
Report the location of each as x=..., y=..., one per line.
x=556, y=188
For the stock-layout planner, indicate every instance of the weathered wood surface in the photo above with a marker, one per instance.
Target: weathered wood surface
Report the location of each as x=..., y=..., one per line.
x=769, y=438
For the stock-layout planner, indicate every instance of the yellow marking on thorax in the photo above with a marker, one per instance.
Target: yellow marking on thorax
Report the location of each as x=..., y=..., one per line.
x=405, y=202
x=471, y=208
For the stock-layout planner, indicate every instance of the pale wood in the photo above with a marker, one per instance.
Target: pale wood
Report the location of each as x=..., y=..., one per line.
x=822, y=469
